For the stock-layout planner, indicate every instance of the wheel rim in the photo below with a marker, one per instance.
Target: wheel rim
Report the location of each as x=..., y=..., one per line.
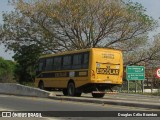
x=71, y=89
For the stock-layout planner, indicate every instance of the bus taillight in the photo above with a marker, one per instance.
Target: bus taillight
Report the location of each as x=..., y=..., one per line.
x=92, y=73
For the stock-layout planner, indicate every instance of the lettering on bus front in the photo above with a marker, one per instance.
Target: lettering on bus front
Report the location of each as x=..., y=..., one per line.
x=109, y=56
x=107, y=71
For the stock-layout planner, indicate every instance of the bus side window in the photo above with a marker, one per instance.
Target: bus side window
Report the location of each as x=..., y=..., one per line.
x=49, y=64
x=41, y=65
x=77, y=61
x=85, y=60
x=67, y=62
x=57, y=63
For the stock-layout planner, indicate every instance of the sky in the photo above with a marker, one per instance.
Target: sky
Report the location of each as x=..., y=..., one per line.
x=5, y=7
x=153, y=10
x=152, y=7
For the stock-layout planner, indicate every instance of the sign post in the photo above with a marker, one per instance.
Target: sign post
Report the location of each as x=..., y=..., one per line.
x=135, y=86
x=142, y=82
x=135, y=73
x=128, y=85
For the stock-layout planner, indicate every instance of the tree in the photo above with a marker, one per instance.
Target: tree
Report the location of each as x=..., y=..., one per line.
x=74, y=24
x=145, y=54
x=26, y=57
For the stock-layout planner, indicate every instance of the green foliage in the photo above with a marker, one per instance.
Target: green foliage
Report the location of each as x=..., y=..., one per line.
x=139, y=12
x=7, y=70
x=26, y=57
x=157, y=93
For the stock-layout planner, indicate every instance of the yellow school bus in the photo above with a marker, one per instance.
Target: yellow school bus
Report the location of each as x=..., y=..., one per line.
x=91, y=70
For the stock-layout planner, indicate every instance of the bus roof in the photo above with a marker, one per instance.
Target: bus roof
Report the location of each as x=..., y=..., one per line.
x=75, y=51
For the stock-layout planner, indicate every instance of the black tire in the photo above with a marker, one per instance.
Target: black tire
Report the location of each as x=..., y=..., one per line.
x=65, y=93
x=98, y=95
x=71, y=89
x=41, y=85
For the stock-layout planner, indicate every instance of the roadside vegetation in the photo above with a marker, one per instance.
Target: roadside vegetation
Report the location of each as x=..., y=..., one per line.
x=7, y=69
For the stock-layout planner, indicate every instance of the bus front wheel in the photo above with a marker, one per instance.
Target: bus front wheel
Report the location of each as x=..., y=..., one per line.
x=98, y=95
x=41, y=85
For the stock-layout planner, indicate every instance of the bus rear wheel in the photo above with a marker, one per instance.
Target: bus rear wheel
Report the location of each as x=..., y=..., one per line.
x=98, y=95
x=71, y=89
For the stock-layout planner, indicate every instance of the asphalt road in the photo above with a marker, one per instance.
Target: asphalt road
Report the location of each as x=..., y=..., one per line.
x=121, y=96
x=19, y=103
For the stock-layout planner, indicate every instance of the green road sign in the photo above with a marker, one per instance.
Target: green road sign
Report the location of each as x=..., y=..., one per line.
x=135, y=73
